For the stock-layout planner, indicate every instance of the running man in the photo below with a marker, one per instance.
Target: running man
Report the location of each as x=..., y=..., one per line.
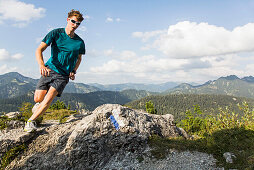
x=67, y=49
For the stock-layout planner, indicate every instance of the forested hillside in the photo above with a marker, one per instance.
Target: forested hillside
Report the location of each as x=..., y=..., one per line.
x=178, y=104
x=230, y=85
x=77, y=101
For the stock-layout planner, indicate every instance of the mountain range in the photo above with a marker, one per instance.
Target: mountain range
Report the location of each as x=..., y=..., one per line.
x=229, y=85
x=79, y=101
x=14, y=84
x=137, y=86
x=16, y=89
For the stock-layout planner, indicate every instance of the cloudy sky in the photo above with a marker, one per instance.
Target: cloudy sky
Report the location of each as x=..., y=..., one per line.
x=136, y=41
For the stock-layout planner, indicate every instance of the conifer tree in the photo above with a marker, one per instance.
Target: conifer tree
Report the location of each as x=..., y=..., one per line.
x=150, y=108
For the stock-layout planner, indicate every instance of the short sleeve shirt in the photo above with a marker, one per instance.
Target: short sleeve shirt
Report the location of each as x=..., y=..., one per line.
x=64, y=51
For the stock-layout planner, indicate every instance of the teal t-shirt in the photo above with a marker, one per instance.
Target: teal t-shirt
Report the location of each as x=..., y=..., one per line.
x=64, y=51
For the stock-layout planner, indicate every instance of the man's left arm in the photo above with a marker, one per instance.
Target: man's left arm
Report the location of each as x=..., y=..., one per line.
x=72, y=73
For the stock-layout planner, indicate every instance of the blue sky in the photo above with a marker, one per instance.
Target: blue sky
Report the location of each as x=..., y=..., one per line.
x=142, y=41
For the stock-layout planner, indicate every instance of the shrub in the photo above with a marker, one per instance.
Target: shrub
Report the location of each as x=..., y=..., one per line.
x=11, y=154
x=59, y=105
x=224, y=132
x=150, y=108
x=196, y=122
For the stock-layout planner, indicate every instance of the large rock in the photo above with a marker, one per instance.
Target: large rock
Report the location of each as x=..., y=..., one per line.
x=94, y=142
x=13, y=114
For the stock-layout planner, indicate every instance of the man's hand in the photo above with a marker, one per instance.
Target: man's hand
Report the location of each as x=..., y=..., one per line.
x=44, y=71
x=72, y=76
x=39, y=57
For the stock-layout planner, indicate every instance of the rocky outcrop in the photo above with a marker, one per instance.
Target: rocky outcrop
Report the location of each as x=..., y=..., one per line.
x=12, y=136
x=94, y=142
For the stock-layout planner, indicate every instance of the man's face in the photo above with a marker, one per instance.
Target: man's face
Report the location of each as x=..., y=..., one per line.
x=73, y=23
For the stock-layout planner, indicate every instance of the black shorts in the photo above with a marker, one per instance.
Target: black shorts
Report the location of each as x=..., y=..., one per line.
x=55, y=80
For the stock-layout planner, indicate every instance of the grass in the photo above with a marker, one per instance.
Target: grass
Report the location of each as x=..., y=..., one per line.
x=11, y=154
x=61, y=115
x=4, y=122
x=225, y=132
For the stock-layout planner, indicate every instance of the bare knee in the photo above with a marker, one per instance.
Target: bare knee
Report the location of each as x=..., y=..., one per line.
x=39, y=95
x=49, y=97
x=37, y=100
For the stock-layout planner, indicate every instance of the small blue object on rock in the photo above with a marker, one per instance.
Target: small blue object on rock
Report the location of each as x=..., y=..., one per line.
x=113, y=120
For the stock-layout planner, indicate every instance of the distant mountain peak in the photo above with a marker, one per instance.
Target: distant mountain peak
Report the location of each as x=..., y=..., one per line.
x=231, y=77
x=13, y=74
x=184, y=85
x=16, y=75
x=206, y=83
x=249, y=79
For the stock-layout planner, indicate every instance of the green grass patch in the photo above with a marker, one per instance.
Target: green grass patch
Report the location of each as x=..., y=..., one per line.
x=26, y=112
x=4, y=122
x=61, y=115
x=11, y=154
x=57, y=111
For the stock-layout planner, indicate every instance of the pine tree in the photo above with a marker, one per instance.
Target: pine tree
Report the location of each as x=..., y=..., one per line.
x=150, y=108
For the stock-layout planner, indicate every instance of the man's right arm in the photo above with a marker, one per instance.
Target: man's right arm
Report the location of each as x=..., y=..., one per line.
x=39, y=57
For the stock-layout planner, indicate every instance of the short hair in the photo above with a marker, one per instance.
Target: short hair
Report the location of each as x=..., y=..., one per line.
x=76, y=14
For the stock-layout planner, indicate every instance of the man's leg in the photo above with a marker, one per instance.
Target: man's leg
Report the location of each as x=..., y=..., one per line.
x=45, y=101
x=39, y=95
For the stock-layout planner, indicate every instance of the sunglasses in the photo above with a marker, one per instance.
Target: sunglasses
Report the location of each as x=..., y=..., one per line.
x=75, y=22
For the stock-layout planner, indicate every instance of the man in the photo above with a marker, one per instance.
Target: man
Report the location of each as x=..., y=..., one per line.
x=66, y=52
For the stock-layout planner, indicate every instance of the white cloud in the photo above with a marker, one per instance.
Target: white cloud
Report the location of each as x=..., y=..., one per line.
x=87, y=18
x=138, y=65
x=124, y=55
x=127, y=66
x=145, y=69
x=127, y=55
x=145, y=36
x=222, y=65
x=188, y=52
x=5, y=69
x=93, y=53
x=82, y=29
x=19, y=12
x=249, y=69
x=5, y=55
x=17, y=56
x=109, y=19
x=190, y=39
x=108, y=52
